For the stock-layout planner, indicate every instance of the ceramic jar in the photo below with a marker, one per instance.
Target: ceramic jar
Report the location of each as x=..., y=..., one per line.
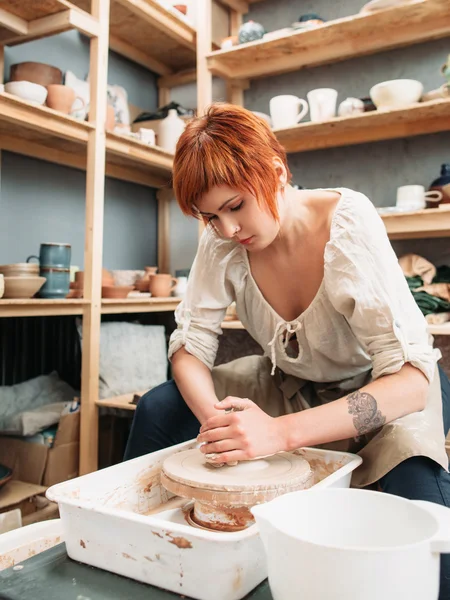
x=162, y=285
x=143, y=283
x=250, y=31
x=441, y=184
x=350, y=106
x=54, y=265
x=170, y=130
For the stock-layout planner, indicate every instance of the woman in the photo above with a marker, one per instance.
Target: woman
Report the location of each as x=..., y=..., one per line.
x=347, y=363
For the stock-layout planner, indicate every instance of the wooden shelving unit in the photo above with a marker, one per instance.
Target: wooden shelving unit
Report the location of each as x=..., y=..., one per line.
x=138, y=305
x=26, y=20
x=144, y=31
x=123, y=402
x=41, y=308
x=417, y=119
x=431, y=223
x=41, y=132
x=334, y=41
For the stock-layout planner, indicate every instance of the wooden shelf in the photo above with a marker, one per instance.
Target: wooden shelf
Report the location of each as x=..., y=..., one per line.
x=334, y=41
x=430, y=223
x=41, y=308
x=443, y=329
x=417, y=119
x=26, y=20
x=138, y=305
x=43, y=133
x=123, y=402
x=160, y=39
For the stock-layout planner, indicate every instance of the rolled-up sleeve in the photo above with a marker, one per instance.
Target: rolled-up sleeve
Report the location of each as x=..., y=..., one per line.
x=209, y=293
x=366, y=285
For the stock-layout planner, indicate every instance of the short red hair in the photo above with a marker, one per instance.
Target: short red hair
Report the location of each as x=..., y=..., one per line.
x=231, y=146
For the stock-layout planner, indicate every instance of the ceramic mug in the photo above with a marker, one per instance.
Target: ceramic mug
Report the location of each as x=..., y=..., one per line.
x=414, y=197
x=53, y=255
x=61, y=98
x=322, y=104
x=285, y=111
x=54, y=265
x=162, y=285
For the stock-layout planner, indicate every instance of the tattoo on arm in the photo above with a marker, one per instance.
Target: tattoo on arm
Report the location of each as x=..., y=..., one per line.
x=366, y=416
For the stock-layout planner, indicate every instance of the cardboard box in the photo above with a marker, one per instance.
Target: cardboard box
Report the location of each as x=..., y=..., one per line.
x=36, y=467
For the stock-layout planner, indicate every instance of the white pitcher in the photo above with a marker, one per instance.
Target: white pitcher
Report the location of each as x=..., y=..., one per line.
x=322, y=104
x=170, y=130
x=285, y=111
x=351, y=544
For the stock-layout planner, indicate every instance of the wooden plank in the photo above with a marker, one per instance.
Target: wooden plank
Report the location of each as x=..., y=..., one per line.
x=95, y=186
x=41, y=308
x=337, y=40
x=420, y=118
x=122, y=402
x=164, y=197
x=138, y=56
x=13, y=23
x=204, y=44
x=239, y=6
x=431, y=222
x=138, y=305
x=163, y=96
x=443, y=329
x=180, y=78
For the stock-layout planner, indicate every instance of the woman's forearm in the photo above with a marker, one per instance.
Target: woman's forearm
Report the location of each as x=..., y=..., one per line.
x=359, y=413
x=193, y=379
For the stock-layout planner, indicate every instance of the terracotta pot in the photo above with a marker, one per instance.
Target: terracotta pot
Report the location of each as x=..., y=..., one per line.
x=116, y=291
x=107, y=279
x=161, y=285
x=143, y=283
x=35, y=72
x=110, y=118
x=61, y=98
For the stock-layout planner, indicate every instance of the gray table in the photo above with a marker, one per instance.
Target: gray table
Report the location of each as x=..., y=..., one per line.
x=54, y=576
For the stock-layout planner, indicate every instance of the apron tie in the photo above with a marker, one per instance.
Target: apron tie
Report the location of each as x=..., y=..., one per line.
x=290, y=329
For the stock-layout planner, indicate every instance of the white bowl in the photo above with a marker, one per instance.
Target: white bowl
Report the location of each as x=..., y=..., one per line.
x=26, y=90
x=396, y=93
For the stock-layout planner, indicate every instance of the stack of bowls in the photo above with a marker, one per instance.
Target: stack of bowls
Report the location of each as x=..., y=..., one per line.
x=21, y=280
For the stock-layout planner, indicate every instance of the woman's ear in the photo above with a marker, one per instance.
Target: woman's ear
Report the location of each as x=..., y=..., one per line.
x=280, y=170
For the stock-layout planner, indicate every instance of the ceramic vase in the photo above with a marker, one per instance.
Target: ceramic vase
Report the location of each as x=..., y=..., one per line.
x=250, y=31
x=170, y=130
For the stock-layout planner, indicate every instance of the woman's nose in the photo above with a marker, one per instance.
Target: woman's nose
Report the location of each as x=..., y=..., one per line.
x=229, y=229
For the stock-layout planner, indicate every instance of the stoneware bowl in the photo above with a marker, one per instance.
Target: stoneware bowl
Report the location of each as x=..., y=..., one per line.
x=26, y=90
x=20, y=270
x=22, y=287
x=116, y=291
x=35, y=72
x=396, y=93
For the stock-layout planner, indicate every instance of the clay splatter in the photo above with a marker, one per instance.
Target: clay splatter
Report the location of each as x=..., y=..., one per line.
x=158, y=534
x=125, y=555
x=180, y=542
x=82, y=544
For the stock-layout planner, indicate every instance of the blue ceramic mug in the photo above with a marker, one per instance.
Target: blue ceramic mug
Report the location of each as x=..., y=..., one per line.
x=54, y=265
x=53, y=255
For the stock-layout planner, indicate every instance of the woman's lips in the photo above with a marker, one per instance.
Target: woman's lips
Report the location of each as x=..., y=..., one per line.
x=246, y=241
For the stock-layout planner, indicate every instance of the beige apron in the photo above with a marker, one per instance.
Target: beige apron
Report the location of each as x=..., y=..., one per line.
x=417, y=434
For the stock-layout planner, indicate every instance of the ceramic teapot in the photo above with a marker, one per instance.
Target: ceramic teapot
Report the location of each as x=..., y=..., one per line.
x=324, y=544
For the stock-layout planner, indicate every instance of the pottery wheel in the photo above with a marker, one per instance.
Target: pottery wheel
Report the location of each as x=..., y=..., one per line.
x=230, y=489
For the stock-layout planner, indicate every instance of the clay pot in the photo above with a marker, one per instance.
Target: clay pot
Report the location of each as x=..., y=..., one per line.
x=36, y=72
x=161, y=285
x=107, y=279
x=61, y=98
x=110, y=118
x=143, y=283
x=116, y=291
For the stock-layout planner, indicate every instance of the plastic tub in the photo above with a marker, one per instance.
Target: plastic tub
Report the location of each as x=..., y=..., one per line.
x=107, y=524
x=22, y=543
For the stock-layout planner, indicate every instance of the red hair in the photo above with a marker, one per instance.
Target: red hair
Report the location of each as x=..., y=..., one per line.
x=230, y=146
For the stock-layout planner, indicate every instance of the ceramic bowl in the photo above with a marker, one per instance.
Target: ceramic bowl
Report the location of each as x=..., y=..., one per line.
x=26, y=90
x=20, y=270
x=35, y=72
x=396, y=93
x=116, y=291
x=22, y=287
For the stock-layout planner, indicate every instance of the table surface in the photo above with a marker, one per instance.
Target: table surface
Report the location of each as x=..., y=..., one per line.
x=53, y=575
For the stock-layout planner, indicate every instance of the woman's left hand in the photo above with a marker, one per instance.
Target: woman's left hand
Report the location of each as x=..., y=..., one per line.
x=245, y=433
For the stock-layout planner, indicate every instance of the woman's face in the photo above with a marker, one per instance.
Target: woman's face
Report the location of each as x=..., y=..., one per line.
x=237, y=215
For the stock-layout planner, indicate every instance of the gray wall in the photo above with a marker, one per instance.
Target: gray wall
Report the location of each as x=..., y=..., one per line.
x=40, y=201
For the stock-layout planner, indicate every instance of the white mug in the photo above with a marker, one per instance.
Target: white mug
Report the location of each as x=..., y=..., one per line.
x=147, y=136
x=285, y=111
x=412, y=197
x=322, y=104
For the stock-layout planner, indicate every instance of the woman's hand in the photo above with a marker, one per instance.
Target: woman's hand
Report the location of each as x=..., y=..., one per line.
x=244, y=433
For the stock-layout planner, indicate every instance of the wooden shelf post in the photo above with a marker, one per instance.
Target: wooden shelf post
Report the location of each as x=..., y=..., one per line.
x=95, y=185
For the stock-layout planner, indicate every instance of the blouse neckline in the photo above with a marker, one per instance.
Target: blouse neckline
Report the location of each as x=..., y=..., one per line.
x=319, y=292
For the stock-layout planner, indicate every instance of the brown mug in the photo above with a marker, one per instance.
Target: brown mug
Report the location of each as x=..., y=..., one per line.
x=161, y=285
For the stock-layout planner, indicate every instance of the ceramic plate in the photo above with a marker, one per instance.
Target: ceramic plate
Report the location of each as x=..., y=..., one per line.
x=5, y=475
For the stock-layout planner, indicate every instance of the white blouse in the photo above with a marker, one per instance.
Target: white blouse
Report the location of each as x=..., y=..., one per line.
x=363, y=315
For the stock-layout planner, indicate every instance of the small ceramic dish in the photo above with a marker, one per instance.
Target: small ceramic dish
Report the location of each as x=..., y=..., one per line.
x=33, y=92
x=116, y=291
x=22, y=287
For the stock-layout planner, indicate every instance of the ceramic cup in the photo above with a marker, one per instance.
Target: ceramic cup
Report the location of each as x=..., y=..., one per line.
x=147, y=136
x=53, y=255
x=61, y=97
x=54, y=265
x=414, y=197
x=162, y=285
x=286, y=111
x=322, y=104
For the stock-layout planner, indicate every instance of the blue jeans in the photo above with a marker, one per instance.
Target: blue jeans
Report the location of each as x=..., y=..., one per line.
x=163, y=419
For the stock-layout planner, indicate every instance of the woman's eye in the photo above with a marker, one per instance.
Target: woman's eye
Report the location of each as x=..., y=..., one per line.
x=238, y=206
